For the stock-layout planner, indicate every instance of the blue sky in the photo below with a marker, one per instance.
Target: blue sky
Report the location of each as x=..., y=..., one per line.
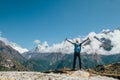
x=23, y=21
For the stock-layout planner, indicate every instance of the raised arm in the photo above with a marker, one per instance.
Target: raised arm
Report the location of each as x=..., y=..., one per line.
x=85, y=40
x=69, y=41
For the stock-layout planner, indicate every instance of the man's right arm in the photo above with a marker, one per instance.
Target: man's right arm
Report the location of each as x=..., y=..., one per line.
x=69, y=41
x=85, y=40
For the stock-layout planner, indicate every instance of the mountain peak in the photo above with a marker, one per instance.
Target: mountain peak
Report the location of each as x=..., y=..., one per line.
x=13, y=45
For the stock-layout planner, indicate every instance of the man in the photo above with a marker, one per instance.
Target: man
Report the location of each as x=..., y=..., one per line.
x=77, y=49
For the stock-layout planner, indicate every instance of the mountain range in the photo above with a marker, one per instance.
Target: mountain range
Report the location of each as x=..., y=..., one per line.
x=102, y=49
x=55, y=61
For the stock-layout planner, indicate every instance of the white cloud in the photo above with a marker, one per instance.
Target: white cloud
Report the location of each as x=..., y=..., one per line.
x=37, y=41
x=63, y=47
x=13, y=45
x=93, y=47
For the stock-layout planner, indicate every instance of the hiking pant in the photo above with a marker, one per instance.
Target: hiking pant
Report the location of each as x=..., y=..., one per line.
x=74, y=60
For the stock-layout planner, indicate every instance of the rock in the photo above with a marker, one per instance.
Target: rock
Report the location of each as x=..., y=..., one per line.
x=7, y=79
x=80, y=73
x=73, y=75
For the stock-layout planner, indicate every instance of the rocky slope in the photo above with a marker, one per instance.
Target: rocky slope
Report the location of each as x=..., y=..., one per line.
x=9, y=64
x=11, y=52
x=112, y=70
x=74, y=75
x=10, y=59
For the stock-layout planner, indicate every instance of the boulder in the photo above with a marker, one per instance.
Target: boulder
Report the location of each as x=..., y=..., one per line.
x=81, y=73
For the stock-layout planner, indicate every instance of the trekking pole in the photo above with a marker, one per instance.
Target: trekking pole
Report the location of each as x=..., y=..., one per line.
x=63, y=44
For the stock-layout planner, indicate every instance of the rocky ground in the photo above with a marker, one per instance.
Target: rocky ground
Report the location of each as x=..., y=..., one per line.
x=69, y=75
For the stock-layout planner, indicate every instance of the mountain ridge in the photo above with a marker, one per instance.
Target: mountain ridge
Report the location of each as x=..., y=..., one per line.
x=10, y=59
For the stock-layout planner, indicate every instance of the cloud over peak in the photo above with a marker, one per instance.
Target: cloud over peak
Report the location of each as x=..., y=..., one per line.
x=106, y=42
x=13, y=45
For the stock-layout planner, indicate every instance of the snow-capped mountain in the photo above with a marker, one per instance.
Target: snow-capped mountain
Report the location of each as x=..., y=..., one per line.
x=13, y=45
x=106, y=42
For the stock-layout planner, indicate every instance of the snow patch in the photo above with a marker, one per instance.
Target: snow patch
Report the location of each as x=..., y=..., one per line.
x=13, y=45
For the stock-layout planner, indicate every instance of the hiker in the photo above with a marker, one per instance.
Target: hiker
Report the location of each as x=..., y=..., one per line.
x=77, y=49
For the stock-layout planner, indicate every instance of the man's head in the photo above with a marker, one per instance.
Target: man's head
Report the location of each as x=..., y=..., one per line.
x=77, y=40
